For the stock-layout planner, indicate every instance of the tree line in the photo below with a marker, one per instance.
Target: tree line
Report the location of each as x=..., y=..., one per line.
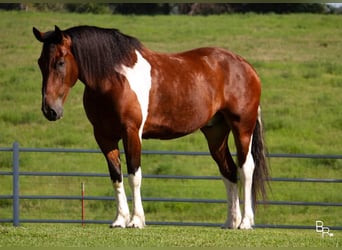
x=174, y=8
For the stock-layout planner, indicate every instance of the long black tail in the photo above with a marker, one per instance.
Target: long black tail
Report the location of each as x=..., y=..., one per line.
x=261, y=171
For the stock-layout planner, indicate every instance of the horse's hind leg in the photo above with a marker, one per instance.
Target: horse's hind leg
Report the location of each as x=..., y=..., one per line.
x=243, y=134
x=217, y=137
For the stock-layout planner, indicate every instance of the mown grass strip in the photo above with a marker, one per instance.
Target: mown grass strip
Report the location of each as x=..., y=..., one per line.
x=59, y=235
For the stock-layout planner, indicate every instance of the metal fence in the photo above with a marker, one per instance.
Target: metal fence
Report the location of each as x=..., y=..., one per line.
x=16, y=197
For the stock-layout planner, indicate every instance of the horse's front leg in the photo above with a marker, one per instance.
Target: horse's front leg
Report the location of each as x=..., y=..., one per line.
x=122, y=213
x=132, y=144
x=111, y=151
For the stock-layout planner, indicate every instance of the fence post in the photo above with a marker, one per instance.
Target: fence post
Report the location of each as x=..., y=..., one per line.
x=16, y=184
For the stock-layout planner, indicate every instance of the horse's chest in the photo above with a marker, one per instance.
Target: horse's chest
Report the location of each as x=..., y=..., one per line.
x=100, y=111
x=130, y=105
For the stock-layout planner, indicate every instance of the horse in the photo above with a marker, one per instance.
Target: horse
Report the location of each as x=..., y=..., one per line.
x=133, y=93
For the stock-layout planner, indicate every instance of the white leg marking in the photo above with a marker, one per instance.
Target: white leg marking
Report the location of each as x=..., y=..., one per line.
x=246, y=174
x=139, y=78
x=233, y=214
x=138, y=217
x=122, y=213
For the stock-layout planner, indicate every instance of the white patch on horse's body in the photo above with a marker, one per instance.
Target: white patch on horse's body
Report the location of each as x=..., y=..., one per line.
x=122, y=214
x=138, y=217
x=246, y=174
x=139, y=79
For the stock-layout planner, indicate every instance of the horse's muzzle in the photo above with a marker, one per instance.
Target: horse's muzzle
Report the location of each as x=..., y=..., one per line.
x=52, y=113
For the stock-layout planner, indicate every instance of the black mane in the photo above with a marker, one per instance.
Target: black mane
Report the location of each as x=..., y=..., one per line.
x=99, y=51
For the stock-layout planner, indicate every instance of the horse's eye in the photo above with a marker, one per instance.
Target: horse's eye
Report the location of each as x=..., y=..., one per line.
x=60, y=63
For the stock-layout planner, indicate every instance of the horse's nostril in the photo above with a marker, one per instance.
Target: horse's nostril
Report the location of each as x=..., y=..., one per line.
x=52, y=114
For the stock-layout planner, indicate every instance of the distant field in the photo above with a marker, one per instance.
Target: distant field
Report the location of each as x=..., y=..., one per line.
x=298, y=58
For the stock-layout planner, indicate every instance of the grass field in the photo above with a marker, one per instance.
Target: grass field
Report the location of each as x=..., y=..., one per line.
x=298, y=59
x=160, y=236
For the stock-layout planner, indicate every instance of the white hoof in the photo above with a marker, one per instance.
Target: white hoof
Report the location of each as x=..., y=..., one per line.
x=137, y=222
x=232, y=223
x=120, y=222
x=246, y=223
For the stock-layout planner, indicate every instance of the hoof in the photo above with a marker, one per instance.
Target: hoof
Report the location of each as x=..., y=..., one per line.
x=120, y=222
x=232, y=223
x=137, y=222
x=246, y=224
x=246, y=228
x=115, y=226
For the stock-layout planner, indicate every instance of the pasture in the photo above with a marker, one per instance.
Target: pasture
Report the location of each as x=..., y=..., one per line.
x=298, y=60
x=58, y=235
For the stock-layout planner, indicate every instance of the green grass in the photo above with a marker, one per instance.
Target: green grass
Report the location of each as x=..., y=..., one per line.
x=294, y=54
x=297, y=57
x=47, y=235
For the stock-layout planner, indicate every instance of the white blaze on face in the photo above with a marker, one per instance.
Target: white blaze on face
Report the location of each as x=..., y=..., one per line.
x=139, y=79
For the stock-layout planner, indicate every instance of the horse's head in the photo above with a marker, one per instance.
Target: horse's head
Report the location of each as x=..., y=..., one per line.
x=59, y=71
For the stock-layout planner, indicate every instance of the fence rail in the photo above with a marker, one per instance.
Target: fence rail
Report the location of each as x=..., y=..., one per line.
x=16, y=197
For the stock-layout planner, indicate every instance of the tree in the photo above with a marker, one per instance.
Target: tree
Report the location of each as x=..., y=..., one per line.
x=141, y=8
x=279, y=8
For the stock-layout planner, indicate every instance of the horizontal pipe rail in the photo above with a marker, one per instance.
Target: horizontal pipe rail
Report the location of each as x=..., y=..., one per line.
x=168, y=152
x=152, y=176
x=161, y=199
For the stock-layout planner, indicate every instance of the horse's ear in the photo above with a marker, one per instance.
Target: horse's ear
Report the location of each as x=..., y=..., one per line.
x=55, y=36
x=58, y=35
x=37, y=34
